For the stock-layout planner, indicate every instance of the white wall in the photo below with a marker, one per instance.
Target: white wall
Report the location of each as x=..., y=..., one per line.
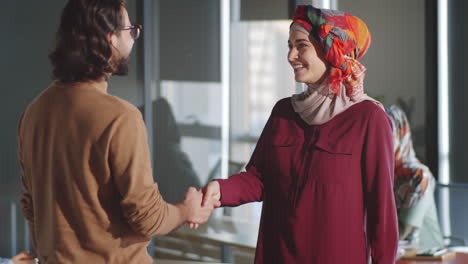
x=396, y=58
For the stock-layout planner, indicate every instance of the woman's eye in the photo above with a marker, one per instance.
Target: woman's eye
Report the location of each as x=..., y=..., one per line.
x=302, y=45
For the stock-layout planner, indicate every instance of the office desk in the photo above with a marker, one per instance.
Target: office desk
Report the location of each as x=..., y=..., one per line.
x=226, y=237
x=223, y=230
x=168, y=261
x=228, y=233
x=460, y=258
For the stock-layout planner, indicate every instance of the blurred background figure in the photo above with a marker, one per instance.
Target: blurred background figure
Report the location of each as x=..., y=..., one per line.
x=173, y=169
x=414, y=188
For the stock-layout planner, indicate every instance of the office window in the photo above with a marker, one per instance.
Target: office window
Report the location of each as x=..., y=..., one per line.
x=260, y=76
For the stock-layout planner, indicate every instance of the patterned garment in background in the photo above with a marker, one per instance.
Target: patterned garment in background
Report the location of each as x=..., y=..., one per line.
x=412, y=178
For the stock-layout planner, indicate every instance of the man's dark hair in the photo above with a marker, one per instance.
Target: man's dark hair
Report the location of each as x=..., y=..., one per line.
x=82, y=51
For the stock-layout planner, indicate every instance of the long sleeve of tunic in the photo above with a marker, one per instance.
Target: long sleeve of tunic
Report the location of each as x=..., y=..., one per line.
x=326, y=189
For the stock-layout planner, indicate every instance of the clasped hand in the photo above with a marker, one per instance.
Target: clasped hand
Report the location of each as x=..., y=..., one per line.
x=202, y=203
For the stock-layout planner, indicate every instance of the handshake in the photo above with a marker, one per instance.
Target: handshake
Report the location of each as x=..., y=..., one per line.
x=200, y=204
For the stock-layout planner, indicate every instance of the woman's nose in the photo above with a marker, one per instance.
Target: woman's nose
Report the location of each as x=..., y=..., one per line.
x=292, y=55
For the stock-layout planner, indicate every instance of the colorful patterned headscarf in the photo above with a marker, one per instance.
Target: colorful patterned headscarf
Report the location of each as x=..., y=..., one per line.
x=344, y=39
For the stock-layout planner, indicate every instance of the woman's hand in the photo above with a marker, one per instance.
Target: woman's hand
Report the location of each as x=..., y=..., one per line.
x=197, y=213
x=211, y=198
x=212, y=192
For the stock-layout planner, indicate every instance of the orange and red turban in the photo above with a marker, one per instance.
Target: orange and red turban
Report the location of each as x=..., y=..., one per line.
x=344, y=39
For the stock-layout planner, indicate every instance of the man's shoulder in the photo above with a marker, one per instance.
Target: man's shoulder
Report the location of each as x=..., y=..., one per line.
x=78, y=103
x=121, y=105
x=102, y=102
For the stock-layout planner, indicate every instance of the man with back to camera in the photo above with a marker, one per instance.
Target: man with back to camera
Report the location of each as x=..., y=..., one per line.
x=88, y=190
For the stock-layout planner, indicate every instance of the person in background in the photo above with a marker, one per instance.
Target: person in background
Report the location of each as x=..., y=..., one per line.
x=414, y=187
x=173, y=170
x=323, y=165
x=22, y=258
x=88, y=191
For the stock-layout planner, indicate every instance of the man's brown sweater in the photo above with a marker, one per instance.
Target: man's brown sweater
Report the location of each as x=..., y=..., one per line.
x=88, y=190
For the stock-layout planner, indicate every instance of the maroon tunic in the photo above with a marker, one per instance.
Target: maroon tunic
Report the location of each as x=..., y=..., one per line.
x=326, y=189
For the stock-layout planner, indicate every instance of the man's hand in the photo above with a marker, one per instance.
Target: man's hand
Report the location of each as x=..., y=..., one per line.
x=23, y=258
x=211, y=197
x=197, y=213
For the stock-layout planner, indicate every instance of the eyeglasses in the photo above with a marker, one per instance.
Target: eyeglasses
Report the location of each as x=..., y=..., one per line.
x=134, y=30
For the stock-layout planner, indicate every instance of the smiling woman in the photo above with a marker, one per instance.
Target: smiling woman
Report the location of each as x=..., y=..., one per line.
x=323, y=166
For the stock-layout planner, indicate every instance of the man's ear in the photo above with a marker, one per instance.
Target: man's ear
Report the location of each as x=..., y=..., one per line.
x=112, y=38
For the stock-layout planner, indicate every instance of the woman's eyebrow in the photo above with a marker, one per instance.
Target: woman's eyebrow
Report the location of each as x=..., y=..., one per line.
x=301, y=40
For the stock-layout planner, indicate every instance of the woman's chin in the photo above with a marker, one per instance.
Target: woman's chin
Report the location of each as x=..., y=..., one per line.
x=304, y=79
x=299, y=79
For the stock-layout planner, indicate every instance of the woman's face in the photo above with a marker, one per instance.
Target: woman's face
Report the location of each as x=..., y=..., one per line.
x=306, y=58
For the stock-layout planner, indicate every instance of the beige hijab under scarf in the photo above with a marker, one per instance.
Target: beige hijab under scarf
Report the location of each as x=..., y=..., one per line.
x=318, y=104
